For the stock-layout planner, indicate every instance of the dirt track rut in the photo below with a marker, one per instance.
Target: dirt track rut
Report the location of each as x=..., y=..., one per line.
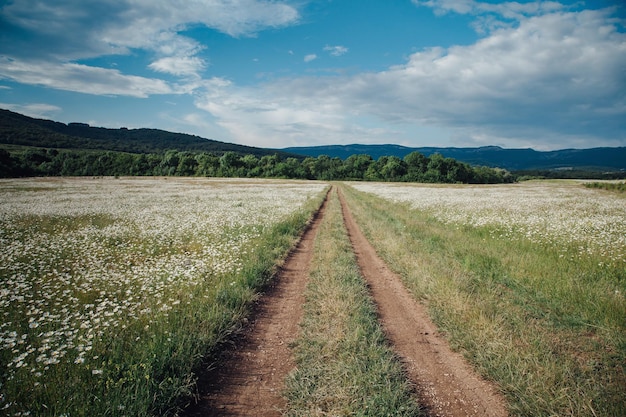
x=446, y=385
x=250, y=380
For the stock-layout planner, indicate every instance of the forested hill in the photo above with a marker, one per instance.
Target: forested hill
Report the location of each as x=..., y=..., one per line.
x=36, y=147
x=595, y=159
x=17, y=129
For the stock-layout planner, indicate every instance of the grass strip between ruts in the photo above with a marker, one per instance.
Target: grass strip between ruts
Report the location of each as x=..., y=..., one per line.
x=344, y=364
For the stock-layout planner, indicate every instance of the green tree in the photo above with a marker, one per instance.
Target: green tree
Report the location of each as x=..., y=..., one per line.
x=187, y=164
x=140, y=165
x=417, y=165
x=229, y=164
x=169, y=163
x=250, y=164
x=267, y=165
x=122, y=163
x=326, y=168
x=308, y=166
x=290, y=168
x=393, y=169
x=355, y=166
x=208, y=164
x=8, y=165
x=373, y=172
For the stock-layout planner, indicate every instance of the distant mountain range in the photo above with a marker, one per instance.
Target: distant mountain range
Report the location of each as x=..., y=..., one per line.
x=19, y=130
x=594, y=159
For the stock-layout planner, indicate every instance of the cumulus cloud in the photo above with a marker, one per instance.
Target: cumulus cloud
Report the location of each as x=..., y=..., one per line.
x=65, y=31
x=555, y=75
x=542, y=74
x=554, y=79
x=106, y=26
x=492, y=16
x=285, y=113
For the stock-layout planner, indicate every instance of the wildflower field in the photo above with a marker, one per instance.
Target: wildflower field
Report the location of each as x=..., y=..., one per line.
x=113, y=290
x=556, y=213
x=526, y=280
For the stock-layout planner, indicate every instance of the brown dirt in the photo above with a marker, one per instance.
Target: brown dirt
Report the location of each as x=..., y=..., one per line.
x=446, y=385
x=250, y=379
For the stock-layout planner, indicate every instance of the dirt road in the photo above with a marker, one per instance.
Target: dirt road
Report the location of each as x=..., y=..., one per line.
x=446, y=385
x=250, y=380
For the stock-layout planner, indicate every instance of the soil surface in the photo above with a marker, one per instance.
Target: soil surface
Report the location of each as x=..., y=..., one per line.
x=250, y=378
x=445, y=384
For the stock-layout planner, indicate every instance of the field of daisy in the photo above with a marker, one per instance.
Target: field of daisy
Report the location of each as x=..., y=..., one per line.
x=114, y=291
x=554, y=213
x=526, y=280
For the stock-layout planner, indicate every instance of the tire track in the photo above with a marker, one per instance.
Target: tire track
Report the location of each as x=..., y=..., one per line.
x=445, y=383
x=250, y=379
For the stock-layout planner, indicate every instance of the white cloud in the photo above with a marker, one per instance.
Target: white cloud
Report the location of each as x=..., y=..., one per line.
x=284, y=114
x=337, y=50
x=37, y=110
x=509, y=10
x=554, y=73
x=64, y=31
x=556, y=80
x=180, y=66
x=81, y=78
x=104, y=24
x=492, y=16
x=542, y=75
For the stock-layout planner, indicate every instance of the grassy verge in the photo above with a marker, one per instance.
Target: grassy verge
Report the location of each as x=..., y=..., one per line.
x=344, y=366
x=610, y=186
x=549, y=329
x=145, y=366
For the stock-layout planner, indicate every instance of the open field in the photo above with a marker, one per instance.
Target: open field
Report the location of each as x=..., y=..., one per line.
x=113, y=290
x=557, y=213
x=526, y=280
x=116, y=293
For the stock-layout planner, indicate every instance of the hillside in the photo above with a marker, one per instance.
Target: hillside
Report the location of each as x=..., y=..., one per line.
x=17, y=129
x=23, y=131
x=594, y=159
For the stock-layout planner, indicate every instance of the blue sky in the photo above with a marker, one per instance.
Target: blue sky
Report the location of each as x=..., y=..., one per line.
x=539, y=74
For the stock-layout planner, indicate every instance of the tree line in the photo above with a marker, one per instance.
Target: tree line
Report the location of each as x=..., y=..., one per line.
x=414, y=167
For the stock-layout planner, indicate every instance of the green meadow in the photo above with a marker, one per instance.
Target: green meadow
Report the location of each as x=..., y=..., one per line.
x=538, y=310
x=116, y=293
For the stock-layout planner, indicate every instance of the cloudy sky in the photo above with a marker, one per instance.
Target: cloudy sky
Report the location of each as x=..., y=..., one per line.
x=278, y=73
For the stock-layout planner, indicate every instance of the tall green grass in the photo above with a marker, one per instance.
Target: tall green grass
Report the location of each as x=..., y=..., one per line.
x=610, y=186
x=344, y=366
x=148, y=367
x=547, y=325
